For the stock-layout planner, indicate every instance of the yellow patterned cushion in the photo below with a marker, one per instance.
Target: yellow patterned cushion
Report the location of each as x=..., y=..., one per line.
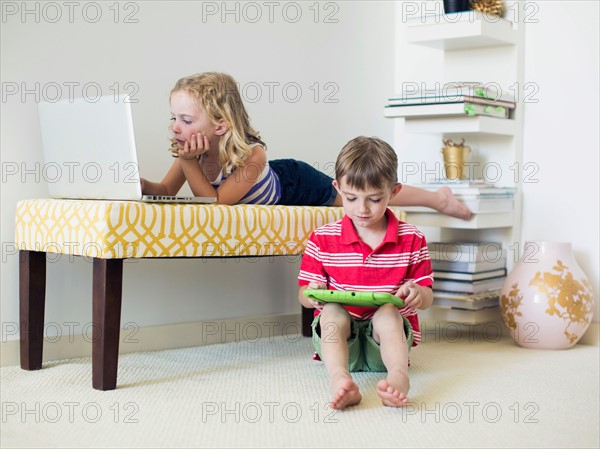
x=124, y=229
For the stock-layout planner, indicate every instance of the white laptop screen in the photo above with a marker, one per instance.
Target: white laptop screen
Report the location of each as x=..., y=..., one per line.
x=89, y=148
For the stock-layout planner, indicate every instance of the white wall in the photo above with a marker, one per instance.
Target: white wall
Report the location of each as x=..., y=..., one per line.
x=561, y=132
x=339, y=54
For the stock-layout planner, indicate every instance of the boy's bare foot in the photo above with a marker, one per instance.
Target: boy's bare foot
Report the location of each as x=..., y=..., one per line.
x=346, y=394
x=393, y=390
x=449, y=205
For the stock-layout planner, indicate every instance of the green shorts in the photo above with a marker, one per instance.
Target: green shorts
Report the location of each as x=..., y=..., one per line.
x=364, y=353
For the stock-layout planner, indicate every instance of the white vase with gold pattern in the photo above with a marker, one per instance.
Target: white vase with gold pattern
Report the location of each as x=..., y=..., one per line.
x=546, y=301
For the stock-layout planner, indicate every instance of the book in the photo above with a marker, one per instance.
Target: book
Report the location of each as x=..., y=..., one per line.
x=482, y=205
x=465, y=305
x=483, y=191
x=475, y=301
x=477, y=221
x=485, y=196
x=459, y=276
x=468, y=267
x=476, y=205
x=418, y=99
x=467, y=286
x=453, y=91
x=459, y=296
x=458, y=108
x=471, y=182
x=468, y=187
x=466, y=251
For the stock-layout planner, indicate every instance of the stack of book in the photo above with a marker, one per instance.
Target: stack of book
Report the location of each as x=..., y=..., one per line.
x=478, y=195
x=461, y=301
x=467, y=275
x=452, y=99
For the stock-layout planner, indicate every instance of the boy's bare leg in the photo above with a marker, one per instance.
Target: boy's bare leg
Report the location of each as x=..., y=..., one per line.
x=442, y=200
x=388, y=331
x=335, y=331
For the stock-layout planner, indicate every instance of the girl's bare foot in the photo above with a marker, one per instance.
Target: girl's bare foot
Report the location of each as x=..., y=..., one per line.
x=449, y=205
x=345, y=394
x=393, y=390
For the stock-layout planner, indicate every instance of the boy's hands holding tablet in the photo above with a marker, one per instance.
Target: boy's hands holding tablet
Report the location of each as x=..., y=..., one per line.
x=313, y=302
x=415, y=295
x=350, y=298
x=409, y=294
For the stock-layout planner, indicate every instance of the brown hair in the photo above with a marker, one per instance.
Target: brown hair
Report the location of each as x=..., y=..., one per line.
x=367, y=162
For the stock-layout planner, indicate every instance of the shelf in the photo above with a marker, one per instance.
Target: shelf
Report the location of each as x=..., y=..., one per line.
x=467, y=30
x=476, y=47
x=477, y=221
x=461, y=125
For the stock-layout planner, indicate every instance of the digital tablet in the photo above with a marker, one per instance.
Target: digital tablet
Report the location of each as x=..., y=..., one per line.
x=366, y=299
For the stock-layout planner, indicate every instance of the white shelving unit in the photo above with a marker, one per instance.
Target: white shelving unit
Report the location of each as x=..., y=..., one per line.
x=477, y=49
x=463, y=31
x=462, y=125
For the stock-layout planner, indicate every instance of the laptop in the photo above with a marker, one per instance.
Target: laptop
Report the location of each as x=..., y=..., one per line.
x=89, y=151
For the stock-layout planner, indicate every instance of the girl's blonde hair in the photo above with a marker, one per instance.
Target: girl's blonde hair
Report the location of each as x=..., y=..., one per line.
x=218, y=94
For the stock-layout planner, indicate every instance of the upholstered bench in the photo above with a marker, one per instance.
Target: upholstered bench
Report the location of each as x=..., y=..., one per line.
x=110, y=231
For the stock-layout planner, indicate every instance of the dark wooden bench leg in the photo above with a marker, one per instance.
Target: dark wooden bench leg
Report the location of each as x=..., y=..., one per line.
x=106, y=318
x=32, y=299
x=307, y=319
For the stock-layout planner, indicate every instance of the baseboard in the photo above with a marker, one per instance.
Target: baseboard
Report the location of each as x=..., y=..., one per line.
x=158, y=338
x=592, y=335
x=185, y=335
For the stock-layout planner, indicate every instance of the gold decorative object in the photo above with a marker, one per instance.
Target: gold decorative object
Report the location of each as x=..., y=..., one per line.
x=509, y=304
x=547, y=301
x=568, y=298
x=491, y=7
x=455, y=155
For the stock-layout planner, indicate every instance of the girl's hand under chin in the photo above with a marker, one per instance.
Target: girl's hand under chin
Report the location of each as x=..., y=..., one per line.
x=193, y=149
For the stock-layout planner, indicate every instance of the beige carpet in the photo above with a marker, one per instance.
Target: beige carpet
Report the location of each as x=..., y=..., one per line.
x=270, y=393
